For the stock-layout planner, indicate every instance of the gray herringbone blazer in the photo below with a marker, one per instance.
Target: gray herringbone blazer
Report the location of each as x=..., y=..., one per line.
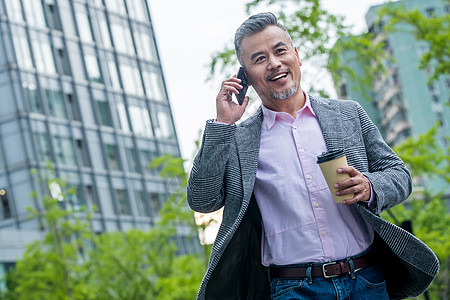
x=224, y=173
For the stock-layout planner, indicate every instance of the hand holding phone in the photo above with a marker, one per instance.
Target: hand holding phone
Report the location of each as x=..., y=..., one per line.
x=244, y=82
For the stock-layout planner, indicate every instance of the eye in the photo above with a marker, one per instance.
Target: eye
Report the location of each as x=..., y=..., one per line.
x=280, y=50
x=260, y=59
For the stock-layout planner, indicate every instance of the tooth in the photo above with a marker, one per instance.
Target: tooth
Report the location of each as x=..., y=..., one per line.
x=279, y=76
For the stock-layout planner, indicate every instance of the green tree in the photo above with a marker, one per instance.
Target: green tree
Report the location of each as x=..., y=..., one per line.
x=71, y=262
x=433, y=29
x=369, y=52
x=427, y=210
x=49, y=268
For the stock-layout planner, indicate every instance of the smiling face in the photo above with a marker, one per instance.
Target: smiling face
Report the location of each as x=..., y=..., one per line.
x=272, y=65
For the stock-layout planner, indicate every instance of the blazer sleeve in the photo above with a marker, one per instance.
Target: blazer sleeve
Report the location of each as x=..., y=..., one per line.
x=205, y=189
x=390, y=179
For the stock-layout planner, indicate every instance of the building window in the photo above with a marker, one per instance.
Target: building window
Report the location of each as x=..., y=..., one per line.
x=137, y=10
x=43, y=57
x=64, y=66
x=5, y=210
x=343, y=90
x=84, y=28
x=145, y=46
x=143, y=209
x=14, y=10
x=104, y=113
x=132, y=160
x=113, y=76
x=117, y=6
x=122, y=39
x=447, y=9
x=22, y=51
x=113, y=157
x=430, y=12
x=42, y=147
x=54, y=19
x=140, y=121
x=163, y=125
x=441, y=119
x=91, y=199
x=123, y=204
x=76, y=200
x=432, y=88
x=56, y=105
x=93, y=69
x=73, y=107
x=154, y=86
x=156, y=203
x=131, y=80
x=104, y=33
x=35, y=13
x=146, y=158
x=2, y=161
x=64, y=151
x=96, y=2
x=82, y=153
x=32, y=97
x=123, y=119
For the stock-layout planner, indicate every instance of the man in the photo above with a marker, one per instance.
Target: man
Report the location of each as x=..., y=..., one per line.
x=282, y=235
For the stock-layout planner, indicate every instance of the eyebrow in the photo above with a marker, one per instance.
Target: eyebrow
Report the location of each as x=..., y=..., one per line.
x=254, y=55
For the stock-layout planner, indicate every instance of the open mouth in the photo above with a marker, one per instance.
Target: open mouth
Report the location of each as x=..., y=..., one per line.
x=278, y=76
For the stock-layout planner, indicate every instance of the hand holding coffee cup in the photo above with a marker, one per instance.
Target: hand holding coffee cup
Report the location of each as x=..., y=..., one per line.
x=329, y=162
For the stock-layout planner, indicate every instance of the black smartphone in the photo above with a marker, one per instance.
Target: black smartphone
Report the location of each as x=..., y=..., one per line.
x=243, y=77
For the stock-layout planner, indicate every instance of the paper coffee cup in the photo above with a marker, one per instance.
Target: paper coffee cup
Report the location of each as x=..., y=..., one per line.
x=329, y=162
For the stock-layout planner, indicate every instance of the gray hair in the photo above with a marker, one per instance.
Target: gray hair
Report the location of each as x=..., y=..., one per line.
x=252, y=25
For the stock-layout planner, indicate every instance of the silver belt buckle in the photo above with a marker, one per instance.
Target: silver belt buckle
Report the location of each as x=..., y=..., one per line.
x=324, y=270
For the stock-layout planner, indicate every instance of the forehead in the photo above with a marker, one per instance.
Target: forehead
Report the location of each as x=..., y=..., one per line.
x=267, y=38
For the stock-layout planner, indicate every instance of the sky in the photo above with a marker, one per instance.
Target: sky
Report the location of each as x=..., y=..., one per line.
x=188, y=33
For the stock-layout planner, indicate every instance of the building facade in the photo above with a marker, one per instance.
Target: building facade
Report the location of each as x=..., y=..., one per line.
x=402, y=102
x=82, y=86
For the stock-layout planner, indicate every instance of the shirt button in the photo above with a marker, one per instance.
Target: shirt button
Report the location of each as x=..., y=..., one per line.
x=309, y=177
x=324, y=232
x=302, y=151
x=317, y=204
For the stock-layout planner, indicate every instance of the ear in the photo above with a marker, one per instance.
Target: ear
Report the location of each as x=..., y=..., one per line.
x=249, y=83
x=298, y=56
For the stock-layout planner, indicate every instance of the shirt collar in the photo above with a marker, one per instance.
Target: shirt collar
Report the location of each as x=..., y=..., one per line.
x=270, y=116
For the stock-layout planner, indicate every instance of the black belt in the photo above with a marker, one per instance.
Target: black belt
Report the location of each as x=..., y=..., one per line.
x=327, y=270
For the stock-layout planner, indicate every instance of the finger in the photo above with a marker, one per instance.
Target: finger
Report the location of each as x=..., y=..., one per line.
x=349, y=170
x=226, y=93
x=361, y=193
x=231, y=81
x=347, y=183
x=349, y=201
x=363, y=197
x=354, y=189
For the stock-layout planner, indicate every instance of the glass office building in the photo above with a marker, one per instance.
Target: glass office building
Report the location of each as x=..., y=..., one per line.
x=81, y=85
x=402, y=102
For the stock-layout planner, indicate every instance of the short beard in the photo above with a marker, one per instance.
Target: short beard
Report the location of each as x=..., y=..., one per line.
x=284, y=94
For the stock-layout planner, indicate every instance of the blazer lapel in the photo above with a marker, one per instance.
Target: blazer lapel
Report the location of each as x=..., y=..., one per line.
x=248, y=137
x=330, y=121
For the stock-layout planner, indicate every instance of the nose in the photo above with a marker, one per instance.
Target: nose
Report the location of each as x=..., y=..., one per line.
x=274, y=63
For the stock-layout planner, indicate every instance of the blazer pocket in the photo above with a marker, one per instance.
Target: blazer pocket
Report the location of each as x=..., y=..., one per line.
x=352, y=136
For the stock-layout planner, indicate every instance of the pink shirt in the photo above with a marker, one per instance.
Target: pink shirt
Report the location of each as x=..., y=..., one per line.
x=301, y=221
